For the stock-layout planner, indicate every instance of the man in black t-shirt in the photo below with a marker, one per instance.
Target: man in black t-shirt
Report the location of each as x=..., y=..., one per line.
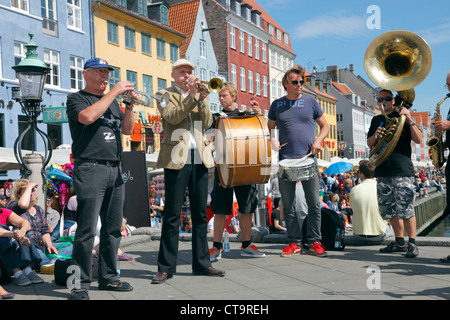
x=395, y=177
x=96, y=123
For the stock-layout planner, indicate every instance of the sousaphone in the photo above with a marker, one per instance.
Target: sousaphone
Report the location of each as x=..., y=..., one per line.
x=397, y=61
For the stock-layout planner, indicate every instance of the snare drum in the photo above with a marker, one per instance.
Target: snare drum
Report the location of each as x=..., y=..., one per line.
x=297, y=169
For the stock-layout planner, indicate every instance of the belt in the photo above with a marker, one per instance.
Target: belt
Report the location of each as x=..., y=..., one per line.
x=103, y=162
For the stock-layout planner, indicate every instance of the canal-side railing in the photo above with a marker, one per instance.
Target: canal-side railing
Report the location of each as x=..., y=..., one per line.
x=428, y=210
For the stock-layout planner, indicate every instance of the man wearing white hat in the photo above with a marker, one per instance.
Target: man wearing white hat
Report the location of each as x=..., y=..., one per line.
x=185, y=156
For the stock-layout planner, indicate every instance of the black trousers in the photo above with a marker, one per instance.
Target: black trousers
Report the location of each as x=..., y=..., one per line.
x=195, y=178
x=447, y=179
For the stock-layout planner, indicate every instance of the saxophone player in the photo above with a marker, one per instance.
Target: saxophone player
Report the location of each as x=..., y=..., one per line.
x=395, y=177
x=441, y=126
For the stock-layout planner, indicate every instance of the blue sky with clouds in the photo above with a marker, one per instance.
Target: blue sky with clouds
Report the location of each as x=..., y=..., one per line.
x=330, y=32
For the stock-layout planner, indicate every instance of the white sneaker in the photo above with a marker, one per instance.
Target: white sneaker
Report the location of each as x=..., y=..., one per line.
x=252, y=251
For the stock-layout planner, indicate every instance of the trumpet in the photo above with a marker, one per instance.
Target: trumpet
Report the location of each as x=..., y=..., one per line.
x=144, y=97
x=212, y=86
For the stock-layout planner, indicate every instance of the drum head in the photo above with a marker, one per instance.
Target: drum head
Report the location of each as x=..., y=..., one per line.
x=294, y=163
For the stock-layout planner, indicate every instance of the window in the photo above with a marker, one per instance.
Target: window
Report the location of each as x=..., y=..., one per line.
x=241, y=42
x=203, y=75
x=243, y=80
x=76, y=73
x=130, y=40
x=286, y=39
x=264, y=52
x=164, y=15
x=202, y=48
x=232, y=37
x=161, y=49
x=113, y=32
x=161, y=84
x=279, y=35
x=49, y=19
x=173, y=53
x=249, y=45
x=51, y=59
x=19, y=52
x=146, y=46
x=114, y=77
x=265, y=84
x=258, y=83
x=142, y=7
x=233, y=74
x=250, y=81
x=257, y=49
x=147, y=86
x=20, y=4
x=74, y=14
x=132, y=77
x=271, y=29
x=274, y=88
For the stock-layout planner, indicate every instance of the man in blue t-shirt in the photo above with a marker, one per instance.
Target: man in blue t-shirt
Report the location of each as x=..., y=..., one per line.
x=296, y=117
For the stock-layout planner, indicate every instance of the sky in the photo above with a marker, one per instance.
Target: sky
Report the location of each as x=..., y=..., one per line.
x=326, y=33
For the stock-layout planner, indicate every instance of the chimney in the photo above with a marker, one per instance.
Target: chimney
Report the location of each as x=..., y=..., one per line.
x=333, y=73
x=320, y=85
x=352, y=70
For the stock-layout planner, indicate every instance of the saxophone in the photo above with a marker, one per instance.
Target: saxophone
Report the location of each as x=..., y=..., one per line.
x=434, y=143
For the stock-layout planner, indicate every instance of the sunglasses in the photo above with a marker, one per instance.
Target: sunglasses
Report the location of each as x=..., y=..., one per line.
x=387, y=99
x=296, y=82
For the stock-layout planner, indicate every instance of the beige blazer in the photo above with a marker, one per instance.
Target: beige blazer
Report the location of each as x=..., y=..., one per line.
x=176, y=125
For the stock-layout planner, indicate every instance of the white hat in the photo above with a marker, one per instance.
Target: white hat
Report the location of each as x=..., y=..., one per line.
x=182, y=62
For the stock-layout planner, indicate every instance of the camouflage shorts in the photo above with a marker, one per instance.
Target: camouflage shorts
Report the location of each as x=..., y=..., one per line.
x=396, y=197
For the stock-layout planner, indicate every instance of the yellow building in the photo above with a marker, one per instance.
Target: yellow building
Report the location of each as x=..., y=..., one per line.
x=142, y=51
x=319, y=91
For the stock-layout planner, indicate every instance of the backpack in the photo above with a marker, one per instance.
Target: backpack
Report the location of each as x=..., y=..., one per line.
x=330, y=223
x=61, y=266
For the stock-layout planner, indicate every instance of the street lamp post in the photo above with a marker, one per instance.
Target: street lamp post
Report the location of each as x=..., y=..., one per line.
x=32, y=73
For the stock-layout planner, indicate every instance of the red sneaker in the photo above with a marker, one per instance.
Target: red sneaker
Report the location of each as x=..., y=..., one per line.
x=290, y=250
x=318, y=249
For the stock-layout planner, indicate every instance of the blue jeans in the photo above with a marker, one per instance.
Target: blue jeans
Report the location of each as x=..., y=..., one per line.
x=293, y=214
x=67, y=224
x=65, y=251
x=23, y=257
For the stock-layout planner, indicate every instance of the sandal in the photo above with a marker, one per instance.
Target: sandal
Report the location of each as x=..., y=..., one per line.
x=445, y=259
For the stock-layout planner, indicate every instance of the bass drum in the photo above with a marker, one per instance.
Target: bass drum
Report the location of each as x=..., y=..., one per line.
x=243, y=150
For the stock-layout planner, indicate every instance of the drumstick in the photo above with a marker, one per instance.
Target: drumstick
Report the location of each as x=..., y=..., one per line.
x=283, y=145
x=304, y=157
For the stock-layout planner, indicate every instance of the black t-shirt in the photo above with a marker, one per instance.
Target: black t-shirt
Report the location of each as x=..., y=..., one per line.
x=235, y=112
x=399, y=162
x=100, y=140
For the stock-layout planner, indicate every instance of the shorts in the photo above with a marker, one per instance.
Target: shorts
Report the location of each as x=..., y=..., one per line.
x=222, y=198
x=396, y=197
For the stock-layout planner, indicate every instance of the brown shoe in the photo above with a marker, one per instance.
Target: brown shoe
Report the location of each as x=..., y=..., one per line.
x=161, y=277
x=210, y=272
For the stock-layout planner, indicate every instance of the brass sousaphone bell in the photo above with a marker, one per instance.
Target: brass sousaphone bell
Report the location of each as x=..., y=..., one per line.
x=397, y=61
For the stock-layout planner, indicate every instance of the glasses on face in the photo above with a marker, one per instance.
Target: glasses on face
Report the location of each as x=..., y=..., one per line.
x=296, y=82
x=387, y=99
x=102, y=72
